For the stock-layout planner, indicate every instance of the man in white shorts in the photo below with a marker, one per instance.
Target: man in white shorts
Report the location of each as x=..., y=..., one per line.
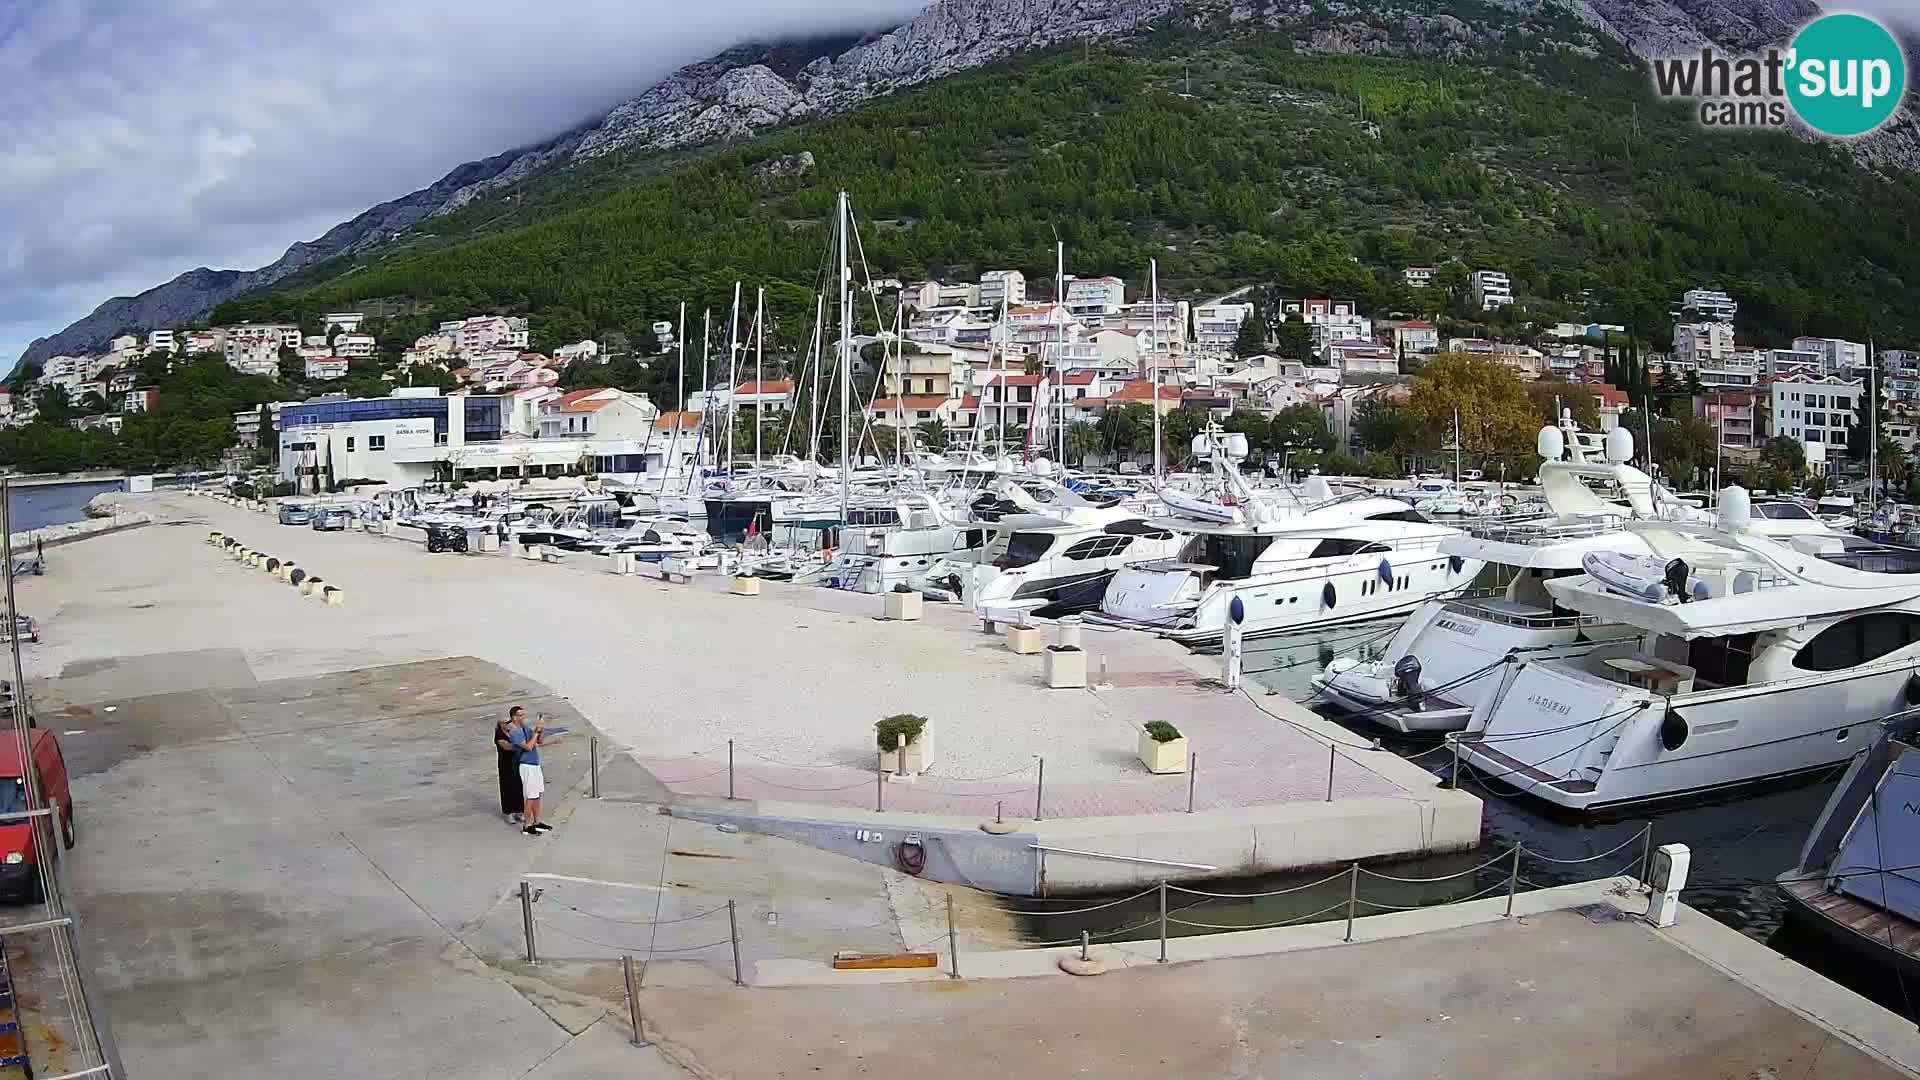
x=526, y=742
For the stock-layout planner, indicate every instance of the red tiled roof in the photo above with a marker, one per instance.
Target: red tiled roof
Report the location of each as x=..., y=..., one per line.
x=1074, y=378
x=772, y=386
x=683, y=419
x=1021, y=380
x=971, y=401
x=1142, y=390
x=1416, y=325
x=578, y=395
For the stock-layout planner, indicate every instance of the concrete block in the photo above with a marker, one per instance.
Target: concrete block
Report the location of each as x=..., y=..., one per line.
x=619, y=563
x=1066, y=669
x=308, y=585
x=1163, y=757
x=532, y=552
x=334, y=597
x=902, y=606
x=1025, y=640
x=215, y=537
x=743, y=585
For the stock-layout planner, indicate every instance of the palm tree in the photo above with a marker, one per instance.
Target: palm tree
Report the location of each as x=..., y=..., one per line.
x=933, y=435
x=1083, y=438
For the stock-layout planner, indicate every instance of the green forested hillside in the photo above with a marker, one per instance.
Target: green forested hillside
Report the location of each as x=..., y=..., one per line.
x=1315, y=172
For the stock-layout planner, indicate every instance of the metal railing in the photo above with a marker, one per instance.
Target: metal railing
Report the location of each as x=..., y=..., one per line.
x=1490, y=614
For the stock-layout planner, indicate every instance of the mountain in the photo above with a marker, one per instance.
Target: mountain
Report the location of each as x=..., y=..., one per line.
x=755, y=88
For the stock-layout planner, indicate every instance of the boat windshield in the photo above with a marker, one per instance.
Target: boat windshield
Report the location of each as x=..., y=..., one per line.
x=1231, y=554
x=1025, y=549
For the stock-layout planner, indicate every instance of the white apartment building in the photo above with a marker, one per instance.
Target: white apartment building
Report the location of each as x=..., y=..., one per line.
x=663, y=332
x=327, y=367
x=160, y=341
x=1837, y=354
x=1700, y=344
x=253, y=355
x=1362, y=358
x=579, y=350
x=125, y=343
x=1900, y=371
x=1415, y=338
x=1780, y=363
x=598, y=414
x=998, y=287
x=1217, y=326
x=355, y=346
x=1418, y=277
x=1491, y=289
x=1715, y=304
x=1815, y=410
x=1096, y=298
x=346, y=320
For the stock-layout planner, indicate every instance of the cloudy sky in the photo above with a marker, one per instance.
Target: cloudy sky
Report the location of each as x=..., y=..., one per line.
x=142, y=138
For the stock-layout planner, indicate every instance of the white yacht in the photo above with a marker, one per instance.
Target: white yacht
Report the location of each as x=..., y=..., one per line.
x=1750, y=660
x=1339, y=559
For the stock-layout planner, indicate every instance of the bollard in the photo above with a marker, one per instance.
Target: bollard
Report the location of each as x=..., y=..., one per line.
x=879, y=782
x=593, y=768
x=1513, y=878
x=1453, y=781
x=1086, y=946
x=1039, y=787
x=1163, y=921
x=733, y=934
x=1230, y=646
x=526, y=920
x=1333, y=756
x=1193, y=770
x=1103, y=669
x=729, y=768
x=953, y=940
x=633, y=999
x=1353, y=897
x=1646, y=855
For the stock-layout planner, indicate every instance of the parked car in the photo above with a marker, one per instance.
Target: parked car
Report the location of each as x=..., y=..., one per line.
x=24, y=628
x=294, y=514
x=331, y=518
x=25, y=841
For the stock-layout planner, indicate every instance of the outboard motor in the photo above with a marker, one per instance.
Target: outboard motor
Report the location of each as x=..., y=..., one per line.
x=1406, y=680
x=1676, y=579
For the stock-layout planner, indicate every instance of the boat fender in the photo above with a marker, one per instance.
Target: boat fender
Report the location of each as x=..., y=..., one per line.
x=1913, y=689
x=1673, y=731
x=1328, y=596
x=912, y=855
x=1386, y=572
x=1454, y=563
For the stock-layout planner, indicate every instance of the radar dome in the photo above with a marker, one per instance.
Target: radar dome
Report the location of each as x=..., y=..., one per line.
x=1619, y=445
x=1551, y=444
x=1736, y=509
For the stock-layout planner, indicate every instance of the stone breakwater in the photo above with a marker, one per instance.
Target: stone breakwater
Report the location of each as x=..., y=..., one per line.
x=103, y=516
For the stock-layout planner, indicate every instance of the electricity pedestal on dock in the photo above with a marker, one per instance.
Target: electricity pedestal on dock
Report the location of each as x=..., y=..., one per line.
x=1669, y=876
x=1230, y=645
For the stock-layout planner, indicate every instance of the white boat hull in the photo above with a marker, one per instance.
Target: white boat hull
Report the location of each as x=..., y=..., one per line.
x=1530, y=733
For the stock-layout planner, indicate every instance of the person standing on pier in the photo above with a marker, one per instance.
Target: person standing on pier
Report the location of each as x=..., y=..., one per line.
x=526, y=742
x=507, y=761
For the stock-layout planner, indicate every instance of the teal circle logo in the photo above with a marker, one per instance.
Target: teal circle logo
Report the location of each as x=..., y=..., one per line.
x=1846, y=75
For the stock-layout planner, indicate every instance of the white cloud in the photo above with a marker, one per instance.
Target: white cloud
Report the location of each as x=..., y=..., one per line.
x=139, y=139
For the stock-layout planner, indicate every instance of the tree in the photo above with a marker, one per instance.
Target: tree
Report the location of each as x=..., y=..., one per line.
x=1496, y=417
x=1866, y=418
x=293, y=369
x=1785, y=454
x=1296, y=341
x=1302, y=426
x=1252, y=339
x=1126, y=430
x=1083, y=438
x=932, y=435
x=1551, y=395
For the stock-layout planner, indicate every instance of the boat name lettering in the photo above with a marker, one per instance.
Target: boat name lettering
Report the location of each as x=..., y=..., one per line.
x=1468, y=629
x=1547, y=704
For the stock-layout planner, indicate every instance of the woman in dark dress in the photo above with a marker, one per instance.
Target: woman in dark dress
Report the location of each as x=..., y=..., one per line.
x=510, y=797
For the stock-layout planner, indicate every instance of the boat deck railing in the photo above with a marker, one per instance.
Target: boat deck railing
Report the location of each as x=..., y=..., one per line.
x=1541, y=533
x=1490, y=613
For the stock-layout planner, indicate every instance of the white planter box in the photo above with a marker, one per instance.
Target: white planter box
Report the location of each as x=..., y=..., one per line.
x=919, y=754
x=621, y=563
x=744, y=586
x=903, y=606
x=1066, y=669
x=1025, y=640
x=1163, y=757
x=532, y=552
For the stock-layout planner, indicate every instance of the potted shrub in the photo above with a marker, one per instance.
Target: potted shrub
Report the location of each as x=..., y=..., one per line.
x=903, y=603
x=919, y=753
x=1162, y=748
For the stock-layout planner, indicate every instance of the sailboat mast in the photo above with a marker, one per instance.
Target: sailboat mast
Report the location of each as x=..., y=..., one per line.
x=706, y=378
x=813, y=399
x=846, y=366
x=1154, y=356
x=1059, y=359
x=759, y=366
x=680, y=393
x=1000, y=417
x=1871, y=388
x=733, y=371
x=1456, y=446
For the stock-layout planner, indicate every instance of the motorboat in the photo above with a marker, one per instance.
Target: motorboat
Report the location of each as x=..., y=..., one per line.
x=1745, y=660
x=1034, y=562
x=1319, y=560
x=651, y=541
x=1437, y=666
x=1838, y=512
x=876, y=558
x=1858, y=879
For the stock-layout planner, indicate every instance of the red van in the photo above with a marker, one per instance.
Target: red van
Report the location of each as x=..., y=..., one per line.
x=20, y=851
